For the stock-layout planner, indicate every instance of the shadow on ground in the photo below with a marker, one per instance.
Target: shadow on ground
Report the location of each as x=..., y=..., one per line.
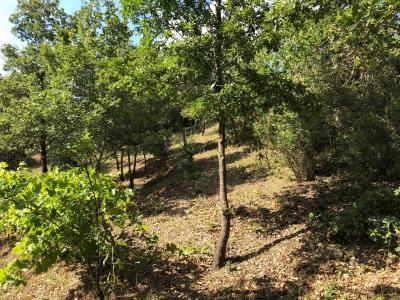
x=318, y=255
x=170, y=277
x=177, y=182
x=7, y=242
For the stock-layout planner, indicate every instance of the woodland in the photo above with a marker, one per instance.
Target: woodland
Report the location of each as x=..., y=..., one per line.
x=200, y=149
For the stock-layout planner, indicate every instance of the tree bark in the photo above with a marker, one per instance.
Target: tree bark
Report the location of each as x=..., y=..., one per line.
x=116, y=160
x=134, y=168
x=43, y=154
x=220, y=251
x=130, y=169
x=43, y=138
x=121, y=177
x=145, y=162
x=98, y=161
x=188, y=154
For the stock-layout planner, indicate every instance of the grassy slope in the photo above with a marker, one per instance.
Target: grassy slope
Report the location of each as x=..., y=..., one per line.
x=273, y=251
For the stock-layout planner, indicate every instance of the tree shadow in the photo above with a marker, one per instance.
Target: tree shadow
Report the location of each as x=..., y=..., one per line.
x=7, y=242
x=148, y=271
x=296, y=203
x=266, y=247
x=203, y=147
x=160, y=194
x=262, y=288
x=387, y=291
x=86, y=288
x=319, y=255
x=168, y=276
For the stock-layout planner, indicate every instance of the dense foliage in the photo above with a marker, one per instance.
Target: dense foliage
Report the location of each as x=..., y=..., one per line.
x=346, y=58
x=370, y=217
x=71, y=216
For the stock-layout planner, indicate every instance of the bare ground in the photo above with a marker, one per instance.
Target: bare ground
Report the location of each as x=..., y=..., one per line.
x=274, y=253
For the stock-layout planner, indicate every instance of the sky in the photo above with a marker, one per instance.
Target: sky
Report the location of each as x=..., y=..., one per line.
x=7, y=7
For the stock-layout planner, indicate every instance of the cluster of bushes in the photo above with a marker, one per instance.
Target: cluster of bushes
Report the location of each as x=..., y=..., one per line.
x=372, y=217
x=71, y=216
x=366, y=149
x=341, y=116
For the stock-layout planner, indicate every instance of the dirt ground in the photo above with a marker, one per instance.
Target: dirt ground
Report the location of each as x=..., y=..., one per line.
x=273, y=251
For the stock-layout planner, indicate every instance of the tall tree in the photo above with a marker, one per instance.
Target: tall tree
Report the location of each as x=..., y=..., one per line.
x=36, y=23
x=212, y=46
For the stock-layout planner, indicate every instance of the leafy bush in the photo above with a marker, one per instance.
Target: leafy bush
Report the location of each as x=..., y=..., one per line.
x=70, y=216
x=373, y=217
x=285, y=133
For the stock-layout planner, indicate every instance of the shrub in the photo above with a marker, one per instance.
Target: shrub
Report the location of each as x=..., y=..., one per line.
x=70, y=216
x=373, y=217
x=285, y=133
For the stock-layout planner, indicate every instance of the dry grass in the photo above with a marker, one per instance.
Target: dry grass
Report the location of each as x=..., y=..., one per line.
x=273, y=253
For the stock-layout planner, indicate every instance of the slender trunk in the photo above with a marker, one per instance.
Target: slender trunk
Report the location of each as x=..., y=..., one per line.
x=100, y=293
x=145, y=162
x=220, y=251
x=188, y=154
x=98, y=161
x=116, y=160
x=43, y=139
x=130, y=169
x=183, y=137
x=99, y=261
x=121, y=177
x=43, y=154
x=134, y=167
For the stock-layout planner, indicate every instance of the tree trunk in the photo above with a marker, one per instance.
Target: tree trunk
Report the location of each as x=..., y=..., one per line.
x=98, y=161
x=220, y=251
x=145, y=162
x=134, y=167
x=188, y=154
x=116, y=160
x=130, y=169
x=121, y=177
x=43, y=138
x=43, y=154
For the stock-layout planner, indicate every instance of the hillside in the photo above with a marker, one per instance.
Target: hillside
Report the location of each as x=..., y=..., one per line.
x=274, y=251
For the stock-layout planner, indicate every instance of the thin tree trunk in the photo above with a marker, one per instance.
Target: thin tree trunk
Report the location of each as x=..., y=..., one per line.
x=116, y=160
x=220, y=251
x=121, y=177
x=130, y=169
x=43, y=154
x=134, y=167
x=43, y=138
x=145, y=162
x=188, y=154
x=98, y=161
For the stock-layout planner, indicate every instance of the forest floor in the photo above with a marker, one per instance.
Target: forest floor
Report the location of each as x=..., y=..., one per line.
x=274, y=252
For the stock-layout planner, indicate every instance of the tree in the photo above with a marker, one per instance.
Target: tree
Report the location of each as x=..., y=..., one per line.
x=345, y=58
x=42, y=116
x=218, y=33
x=37, y=24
